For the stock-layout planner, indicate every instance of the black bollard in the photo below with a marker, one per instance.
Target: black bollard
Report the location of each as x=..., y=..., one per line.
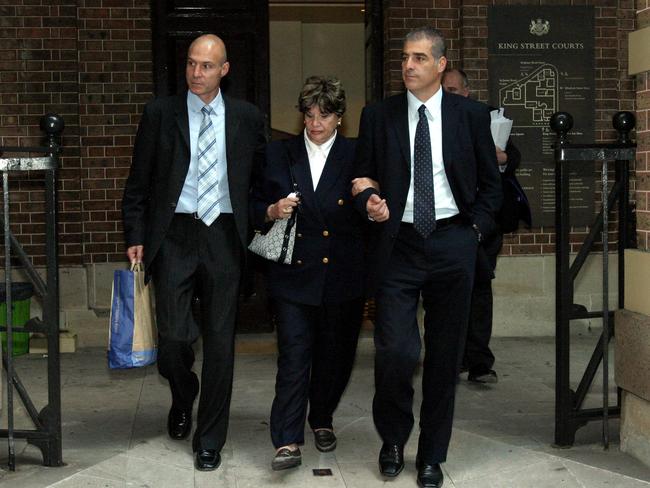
x=623, y=122
x=561, y=123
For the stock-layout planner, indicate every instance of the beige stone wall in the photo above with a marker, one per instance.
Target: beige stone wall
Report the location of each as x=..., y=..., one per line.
x=632, y=370
x=633, y=323
x=635, y=426
x=524, y=297
x=633, y=353
x=524, y=294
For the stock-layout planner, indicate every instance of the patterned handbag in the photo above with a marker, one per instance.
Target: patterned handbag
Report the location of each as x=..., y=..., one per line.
x=277, y=244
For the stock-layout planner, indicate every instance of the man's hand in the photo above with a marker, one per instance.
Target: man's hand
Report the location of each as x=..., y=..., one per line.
x=377, y=208
x=361, y=184
x=502, y=157
x=135, y=254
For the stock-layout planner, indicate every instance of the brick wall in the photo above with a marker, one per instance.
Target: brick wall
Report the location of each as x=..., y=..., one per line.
x=89, y=61
x=643, y=139
x=38, y=74
x=115, y=81
x=464, y=23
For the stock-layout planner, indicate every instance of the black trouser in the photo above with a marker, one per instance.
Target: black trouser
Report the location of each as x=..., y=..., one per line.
x=441, y=269
x=316, y=346
x=477, y=347
x=197, y=260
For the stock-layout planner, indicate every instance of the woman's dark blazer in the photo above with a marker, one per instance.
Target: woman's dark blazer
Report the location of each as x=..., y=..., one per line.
x=327, y=261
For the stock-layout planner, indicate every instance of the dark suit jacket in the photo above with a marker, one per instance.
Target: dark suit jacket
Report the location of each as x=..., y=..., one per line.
x=493, y=245
x=327, y=224
x=487, y=256
x=515, y=206
x=161, y=158
x=383, y=154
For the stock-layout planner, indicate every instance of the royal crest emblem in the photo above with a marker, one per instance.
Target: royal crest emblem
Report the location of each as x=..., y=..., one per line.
x=539, y=27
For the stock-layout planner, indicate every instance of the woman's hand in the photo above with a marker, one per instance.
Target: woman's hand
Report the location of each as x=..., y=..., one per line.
x=377, y=208
x=282, y=209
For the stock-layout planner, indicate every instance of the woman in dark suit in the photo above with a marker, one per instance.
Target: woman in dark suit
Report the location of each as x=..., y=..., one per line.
x=318, y=297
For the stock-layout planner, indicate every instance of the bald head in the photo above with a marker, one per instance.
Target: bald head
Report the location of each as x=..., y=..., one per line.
x=206, y=65
x=455, y=81
x=211, y=42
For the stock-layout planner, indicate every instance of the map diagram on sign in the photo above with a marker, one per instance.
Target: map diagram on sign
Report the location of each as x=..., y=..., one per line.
x=537, y=93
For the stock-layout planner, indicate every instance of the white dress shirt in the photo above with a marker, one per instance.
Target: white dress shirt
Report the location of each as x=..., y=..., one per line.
x=445, y=203
x=317, y=154
x=188, y=200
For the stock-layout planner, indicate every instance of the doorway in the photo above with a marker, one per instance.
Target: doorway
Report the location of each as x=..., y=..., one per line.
x=315, y=38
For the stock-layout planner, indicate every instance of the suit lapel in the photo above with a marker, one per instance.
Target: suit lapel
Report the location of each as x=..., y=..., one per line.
x=449, y=129
x=332, y=171
x=181, y=157
x=397, y=109
x=232, y=127
x=182, y=120
x=302, y=173
x=298, y=158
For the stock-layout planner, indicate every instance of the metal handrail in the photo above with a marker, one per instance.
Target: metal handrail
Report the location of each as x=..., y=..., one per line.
x=569, y=414
x=47, y=433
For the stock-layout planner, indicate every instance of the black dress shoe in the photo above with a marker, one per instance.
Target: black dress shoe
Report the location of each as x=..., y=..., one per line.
x=482, y=375
x=430, y=476
x=285, y=458
x=207, y=459
x=179, y=423
x=391, y=460
x=325, y=440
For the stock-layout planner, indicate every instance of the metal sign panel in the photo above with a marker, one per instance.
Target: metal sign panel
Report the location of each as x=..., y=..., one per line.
x=541, y=61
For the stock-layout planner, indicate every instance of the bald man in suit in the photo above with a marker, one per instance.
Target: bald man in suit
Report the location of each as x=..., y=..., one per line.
x=185, y=211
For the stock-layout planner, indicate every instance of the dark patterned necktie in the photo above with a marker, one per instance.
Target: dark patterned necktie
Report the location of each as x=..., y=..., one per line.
x=424, y=206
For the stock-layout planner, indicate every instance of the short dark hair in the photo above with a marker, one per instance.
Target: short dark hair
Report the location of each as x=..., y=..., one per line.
x=325, y=92
x=463, y=76
x=438, y=44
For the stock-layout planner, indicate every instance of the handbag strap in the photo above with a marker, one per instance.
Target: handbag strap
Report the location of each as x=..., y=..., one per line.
x=292, y=220
x=294, y=185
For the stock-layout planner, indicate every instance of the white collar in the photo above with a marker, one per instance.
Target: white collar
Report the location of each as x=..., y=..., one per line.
x=432, y=104
x=325, y=147
x=196, y=104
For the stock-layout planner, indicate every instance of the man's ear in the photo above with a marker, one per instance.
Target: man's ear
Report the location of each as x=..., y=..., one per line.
x=225, y=67
x=442, y=64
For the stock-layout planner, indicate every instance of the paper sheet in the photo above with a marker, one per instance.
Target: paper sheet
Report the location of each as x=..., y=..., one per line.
x=500, y=127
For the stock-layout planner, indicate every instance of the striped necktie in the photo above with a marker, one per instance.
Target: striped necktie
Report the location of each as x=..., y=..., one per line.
x=208, y=197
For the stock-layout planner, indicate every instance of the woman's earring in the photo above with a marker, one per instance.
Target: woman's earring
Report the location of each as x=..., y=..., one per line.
x=338, y=124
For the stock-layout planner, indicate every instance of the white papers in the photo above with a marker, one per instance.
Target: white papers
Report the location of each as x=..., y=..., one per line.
x=500, y=128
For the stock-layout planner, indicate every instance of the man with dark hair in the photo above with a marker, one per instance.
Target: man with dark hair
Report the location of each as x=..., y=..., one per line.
x=478, y=358
x=185, y=211
x=456, y=81
x=427, y=175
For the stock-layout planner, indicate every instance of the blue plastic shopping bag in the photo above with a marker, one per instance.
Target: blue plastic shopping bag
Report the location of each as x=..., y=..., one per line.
x=132, y=336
